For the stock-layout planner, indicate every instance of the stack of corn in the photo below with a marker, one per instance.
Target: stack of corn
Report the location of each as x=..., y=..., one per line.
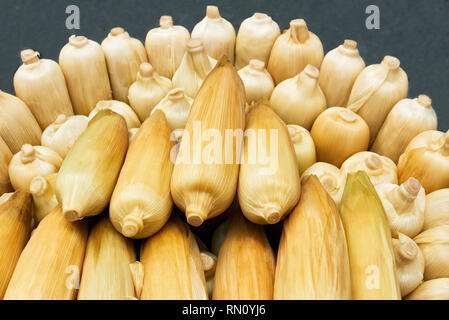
x=335, y=150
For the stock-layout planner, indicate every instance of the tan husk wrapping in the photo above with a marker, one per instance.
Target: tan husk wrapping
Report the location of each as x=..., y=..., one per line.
x=41, y=85
x=50, y=266
x=246, y=263
x=371, y=256
x=255, y=39
x=141, y=203
x=194, y=68
x=304, y=147
x=204, y=186
x=338, y=72
x=176, y=107
x=407, y=119
x=148, y=90
x=123, y=109
x=106, y=269
x=377, y=89
x=404, y=206
x=124, y=55
x=293, y=51
x=437, y=209
x=428, y=139
x=166, y=46
x=437, y=289
x=5, y=158
x=313, y=262
x=269, y=182
x=210, y=264
x=434, y=244
x=88, y=174
x=338, y=134
x=217, y=34
x=62, y=134
x=379, y=169
x=17, y=124
x=299, y=100
x=31, y=162
x=15, y=229
x=44, y=199
x=409, y=263
x=331, y=178
x=257, y=80
x=172, y=264
x=84, y=66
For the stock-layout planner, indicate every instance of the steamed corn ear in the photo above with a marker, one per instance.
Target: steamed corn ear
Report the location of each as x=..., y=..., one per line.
x=51, y=263
x=15, y=229
x=172, y=264
x=313, y=262
x=90, y=170
x=205, y=176
x=106, y=270
x=246, y=263
x=371, y=256
x=44, y=199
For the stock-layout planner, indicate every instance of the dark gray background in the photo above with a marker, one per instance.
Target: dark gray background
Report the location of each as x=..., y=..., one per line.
x=416, y=31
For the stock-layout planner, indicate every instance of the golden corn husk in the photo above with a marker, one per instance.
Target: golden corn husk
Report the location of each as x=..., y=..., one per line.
x=219, y=236
x=84, y=66
x=437, y=209
x=141, y=203
x=15, y=229
x=258, y=82
x=204, y=183
x=407, y=119
x=209, y=264
x=331, y=178
x=31, y=162
x=293, y=51
x=432, y=139
x=404, y=206
x=216, y=33
x=299, y=100
x=42, y=188
x=50, y=266
x=304, y=147
x=166, y=46
x=41, y=85
x=255, y=39
x=409, y=263
x=338, y=134
x=194, y=68
x=106, y=269
x=313, y=262
x=89, y=172
x=437, y=289
x=124, y=55
x=172, y=264
x=62, y=134
x=246, y=263
x=371, y=256
x=376, y=90
x=434, y=244
x=148, y=90
x=269, y=182
x=131, y=118
x=17, y=124
x=5, y=159
x=176, y=107
x=339, y=71
x=379, y=169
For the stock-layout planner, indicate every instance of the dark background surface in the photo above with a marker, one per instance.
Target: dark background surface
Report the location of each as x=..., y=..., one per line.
x=415, y=31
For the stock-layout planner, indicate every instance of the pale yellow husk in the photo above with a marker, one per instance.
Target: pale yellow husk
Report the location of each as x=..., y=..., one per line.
x=5, y=158
x=15, y=229
x=437, y=289
x=50, y=266
x=42, y=188
x=176, y=107
x=141, y=203
x=123, y=109
x=41, y=85
x=371, y=256
x=437, y=209
x=84, y=66
x=172, y=265
x=304, y=147
x=257, y=80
